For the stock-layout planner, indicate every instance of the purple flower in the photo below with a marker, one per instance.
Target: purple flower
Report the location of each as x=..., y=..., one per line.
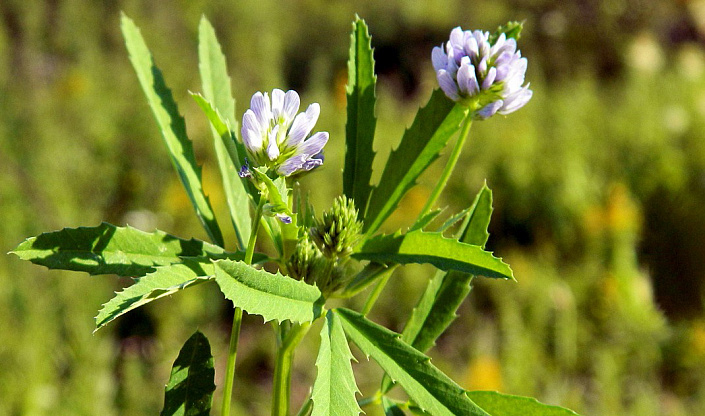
x=487, y=76
x=276, y=137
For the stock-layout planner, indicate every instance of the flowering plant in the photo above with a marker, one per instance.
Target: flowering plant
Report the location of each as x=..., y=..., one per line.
x=339, y=254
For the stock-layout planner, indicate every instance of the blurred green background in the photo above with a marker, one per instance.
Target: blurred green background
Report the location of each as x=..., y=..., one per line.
x=599, y=186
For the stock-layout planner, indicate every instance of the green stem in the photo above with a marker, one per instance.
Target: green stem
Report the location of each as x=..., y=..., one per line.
x=448, y=170
x=306, y=408
x=237, y=318
x=372, y=299
x=282, y=371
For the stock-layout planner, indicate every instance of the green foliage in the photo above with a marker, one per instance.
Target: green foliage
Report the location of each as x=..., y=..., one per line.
x=446, y=291
x=512, y=30
x=421, y=144
x=171, y=125
x=360, y=127
x=271, y=296
x=164, y=281
x=107, y=249
x=423, y=247
x=508, y=405
x=229, y=152
x=334, y=389
x=432, y=390
x=190, y=388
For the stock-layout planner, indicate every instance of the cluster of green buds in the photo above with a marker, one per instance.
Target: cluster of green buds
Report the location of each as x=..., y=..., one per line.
x=321, y=256
x=339, y=231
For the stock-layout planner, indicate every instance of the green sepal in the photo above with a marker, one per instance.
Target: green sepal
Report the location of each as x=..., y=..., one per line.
x=172, y=126
x=433, y=248
x=335, y=388
x=512, y=30
x=499, y=404
x=420, y=145
x=272, y=296
x=361, y=121
x=107, y=249
x=189, y=391
x=426, y=385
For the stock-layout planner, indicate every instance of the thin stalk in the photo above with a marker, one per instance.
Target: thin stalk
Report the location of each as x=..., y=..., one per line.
x=282, y=370
x=372, y=299
x=237, y=318
x=306, y=408
x=448, y=170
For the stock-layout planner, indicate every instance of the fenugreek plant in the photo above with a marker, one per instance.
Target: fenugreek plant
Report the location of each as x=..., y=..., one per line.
x=338, y=254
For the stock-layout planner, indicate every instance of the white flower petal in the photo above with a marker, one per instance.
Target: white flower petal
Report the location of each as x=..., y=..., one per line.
x=313, y=145
x=291, y=106
x=272, y=147
x=303, y=124
x=448, y=85
x=260, y=105
x=277, y=103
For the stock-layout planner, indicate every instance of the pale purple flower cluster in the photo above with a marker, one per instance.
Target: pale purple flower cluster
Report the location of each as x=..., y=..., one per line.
x=276, y=137
x=472, y=70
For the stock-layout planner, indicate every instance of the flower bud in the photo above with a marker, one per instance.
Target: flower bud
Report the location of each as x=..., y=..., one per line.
x=339, y=230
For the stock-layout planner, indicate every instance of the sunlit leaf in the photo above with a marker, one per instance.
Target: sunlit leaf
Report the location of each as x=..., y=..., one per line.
x=164, y=281
x=360, y=127
x=172, y=126
x=444, y=253
x=421, y=144
x=498, y=404
x=107, y=249
x=272, y=296
x=334, y=389
x=432, y=390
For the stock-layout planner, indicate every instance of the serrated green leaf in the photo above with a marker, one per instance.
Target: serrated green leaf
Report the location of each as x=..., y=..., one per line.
x=164, y=281
x=446, y=291
x=229, y=152
x=190, y=388
x=107, y=249
x=334, y=389
x=444, y=253
x=422, y=222
x=499, y=404
x=424, y=383
x=236, y=192
x=172, y=126
x=421, y=144
x=272, y=296
x=361, y=123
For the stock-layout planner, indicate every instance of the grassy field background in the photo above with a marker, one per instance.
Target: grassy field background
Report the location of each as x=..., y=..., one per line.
x=599, y=186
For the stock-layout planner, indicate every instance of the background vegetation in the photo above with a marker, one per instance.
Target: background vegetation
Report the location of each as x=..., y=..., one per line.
x=599, y=185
